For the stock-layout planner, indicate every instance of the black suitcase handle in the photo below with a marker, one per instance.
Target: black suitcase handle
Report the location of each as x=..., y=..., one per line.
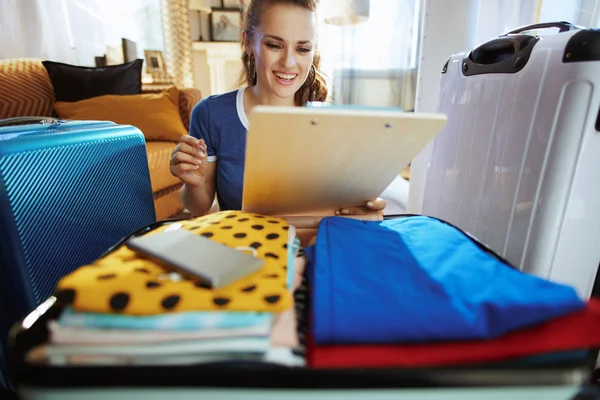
x=563, y=26
x=502, y=55
x=510, y=52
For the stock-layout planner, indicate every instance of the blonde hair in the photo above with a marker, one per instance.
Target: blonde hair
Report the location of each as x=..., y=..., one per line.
x=315, y=87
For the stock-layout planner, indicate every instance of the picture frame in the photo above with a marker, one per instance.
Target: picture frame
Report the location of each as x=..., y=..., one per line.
x=225, y=25
x=231, y=4
x=155, y=63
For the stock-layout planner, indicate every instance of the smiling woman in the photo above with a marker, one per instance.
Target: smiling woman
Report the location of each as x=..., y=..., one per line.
x=281, y=68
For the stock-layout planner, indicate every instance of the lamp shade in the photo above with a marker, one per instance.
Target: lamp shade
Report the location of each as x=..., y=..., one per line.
x=346, y=12
x=201, y=5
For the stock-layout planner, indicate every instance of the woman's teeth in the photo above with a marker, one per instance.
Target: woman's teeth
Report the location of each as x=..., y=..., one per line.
x=285, y=77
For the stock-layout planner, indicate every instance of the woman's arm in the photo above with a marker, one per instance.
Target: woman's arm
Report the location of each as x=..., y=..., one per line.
x=198, y=199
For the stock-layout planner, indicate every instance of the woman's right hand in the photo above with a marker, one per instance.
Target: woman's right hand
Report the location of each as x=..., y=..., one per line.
x=189, y=161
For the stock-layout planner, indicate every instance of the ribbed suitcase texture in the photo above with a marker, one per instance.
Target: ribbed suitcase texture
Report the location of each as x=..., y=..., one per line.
x=517, y=164
x=68, y=191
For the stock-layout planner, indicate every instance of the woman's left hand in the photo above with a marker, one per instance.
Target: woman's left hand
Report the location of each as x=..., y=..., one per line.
x=373, y=209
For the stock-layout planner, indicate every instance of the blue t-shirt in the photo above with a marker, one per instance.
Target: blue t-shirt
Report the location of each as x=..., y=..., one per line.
x=221, y=121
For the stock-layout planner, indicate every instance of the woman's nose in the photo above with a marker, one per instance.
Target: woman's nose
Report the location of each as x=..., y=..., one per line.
x=289, y=59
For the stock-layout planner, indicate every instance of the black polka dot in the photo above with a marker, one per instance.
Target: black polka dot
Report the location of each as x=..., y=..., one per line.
x=207, y=234
x=66, y=295
x=214, y=222
x=272, y=299
x=152, y=284
x=286, y=228
x=106, y=276
x=142, y=270
x=285, y=246
x=271, y=276
x=231, y=216
x=243, y=219
x=285, y=267
x=272, y=255
x=272, y=236
x=227, y=227
x=119, y=301
x=271, y=221
x=240, y=235
x=201, y=285
x=170, y=302
x=255, y=245
x=221, y=301
x=260, y=216
x=258, y=227
x=249, y=289
x=194, y=227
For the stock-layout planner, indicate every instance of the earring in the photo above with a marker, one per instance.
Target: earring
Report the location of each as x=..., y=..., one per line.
x=313, y=69
x=252, y=68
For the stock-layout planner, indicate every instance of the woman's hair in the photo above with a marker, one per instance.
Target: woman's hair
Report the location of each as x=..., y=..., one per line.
x=315, y=87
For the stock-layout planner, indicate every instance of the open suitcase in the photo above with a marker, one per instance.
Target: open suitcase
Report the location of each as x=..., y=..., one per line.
x=68, y=191
x=567, y=379
x=516, y=164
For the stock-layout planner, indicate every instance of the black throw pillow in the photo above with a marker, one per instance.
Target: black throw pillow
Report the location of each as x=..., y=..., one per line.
x=74, y=83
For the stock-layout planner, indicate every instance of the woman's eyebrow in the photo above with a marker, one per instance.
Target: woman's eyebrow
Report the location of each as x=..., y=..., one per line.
x=281, y=40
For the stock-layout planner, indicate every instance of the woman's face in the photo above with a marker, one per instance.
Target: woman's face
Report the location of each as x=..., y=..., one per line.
x=283, y=47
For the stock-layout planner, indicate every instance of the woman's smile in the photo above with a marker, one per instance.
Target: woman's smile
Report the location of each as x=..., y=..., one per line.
x=285, y=78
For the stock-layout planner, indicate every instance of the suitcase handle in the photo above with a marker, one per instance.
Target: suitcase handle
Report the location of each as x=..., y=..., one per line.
x=563, y=26
x=503, y=55
x=29, y=120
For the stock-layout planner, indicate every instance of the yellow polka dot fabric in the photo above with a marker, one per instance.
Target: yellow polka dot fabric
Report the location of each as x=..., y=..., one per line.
x=123, y=282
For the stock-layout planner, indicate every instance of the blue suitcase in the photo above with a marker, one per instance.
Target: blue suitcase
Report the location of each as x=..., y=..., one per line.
x=69, y=190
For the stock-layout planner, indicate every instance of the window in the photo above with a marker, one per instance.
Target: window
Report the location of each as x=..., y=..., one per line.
x=387, y=40
x=95, y=25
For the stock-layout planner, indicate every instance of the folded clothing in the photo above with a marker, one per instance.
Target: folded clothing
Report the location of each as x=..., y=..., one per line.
x=65, y=335
x=418, y=279
x=182, y=321
x=123, y=282
x=576, y=331
x=175, y=338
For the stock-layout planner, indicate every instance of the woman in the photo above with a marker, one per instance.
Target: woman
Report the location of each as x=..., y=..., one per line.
x=280, y=68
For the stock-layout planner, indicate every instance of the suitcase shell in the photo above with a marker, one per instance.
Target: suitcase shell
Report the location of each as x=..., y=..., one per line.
x=516, y=165
x=68, y=191
x=545, y=375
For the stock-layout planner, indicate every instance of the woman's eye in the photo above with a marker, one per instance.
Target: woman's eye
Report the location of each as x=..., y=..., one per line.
x=273, y=46
x=304, y=50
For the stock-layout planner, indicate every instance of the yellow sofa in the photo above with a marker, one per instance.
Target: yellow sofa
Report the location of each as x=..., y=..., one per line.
x=26, y=90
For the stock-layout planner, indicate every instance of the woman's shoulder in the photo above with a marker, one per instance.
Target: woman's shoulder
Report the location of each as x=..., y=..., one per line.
x=218, y=102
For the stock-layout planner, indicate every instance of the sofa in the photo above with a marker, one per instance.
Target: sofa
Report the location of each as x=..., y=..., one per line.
x=26, y=90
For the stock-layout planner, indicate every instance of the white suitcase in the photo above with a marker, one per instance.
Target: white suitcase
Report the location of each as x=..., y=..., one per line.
x=518, y=164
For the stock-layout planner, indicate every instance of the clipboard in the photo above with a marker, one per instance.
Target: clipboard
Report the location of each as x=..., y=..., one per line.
x=313, y=160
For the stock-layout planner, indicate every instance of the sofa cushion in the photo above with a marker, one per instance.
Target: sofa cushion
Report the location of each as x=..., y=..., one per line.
x=159, y=154
x=74, y=83
x=155, y=114
x=25, y=89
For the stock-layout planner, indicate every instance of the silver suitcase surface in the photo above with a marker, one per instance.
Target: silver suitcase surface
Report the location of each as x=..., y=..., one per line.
x=518, y=164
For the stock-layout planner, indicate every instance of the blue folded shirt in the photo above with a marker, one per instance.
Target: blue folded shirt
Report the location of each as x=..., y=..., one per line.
x=416, y=279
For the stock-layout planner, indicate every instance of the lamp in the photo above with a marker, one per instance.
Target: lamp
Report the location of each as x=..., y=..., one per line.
x=346, y=12
x=201, y=6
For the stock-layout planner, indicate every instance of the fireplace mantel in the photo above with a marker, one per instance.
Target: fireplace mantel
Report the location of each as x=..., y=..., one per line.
x=221, y=61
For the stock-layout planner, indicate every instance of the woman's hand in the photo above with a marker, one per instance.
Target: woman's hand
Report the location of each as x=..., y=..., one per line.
x=373, y=210
x=189, y=161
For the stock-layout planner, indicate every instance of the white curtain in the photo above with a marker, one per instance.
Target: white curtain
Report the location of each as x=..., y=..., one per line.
x=35, y=28
x=76, y=31
x=374, y=63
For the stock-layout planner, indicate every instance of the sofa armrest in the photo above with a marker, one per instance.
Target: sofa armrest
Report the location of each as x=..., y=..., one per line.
x=188, y=98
